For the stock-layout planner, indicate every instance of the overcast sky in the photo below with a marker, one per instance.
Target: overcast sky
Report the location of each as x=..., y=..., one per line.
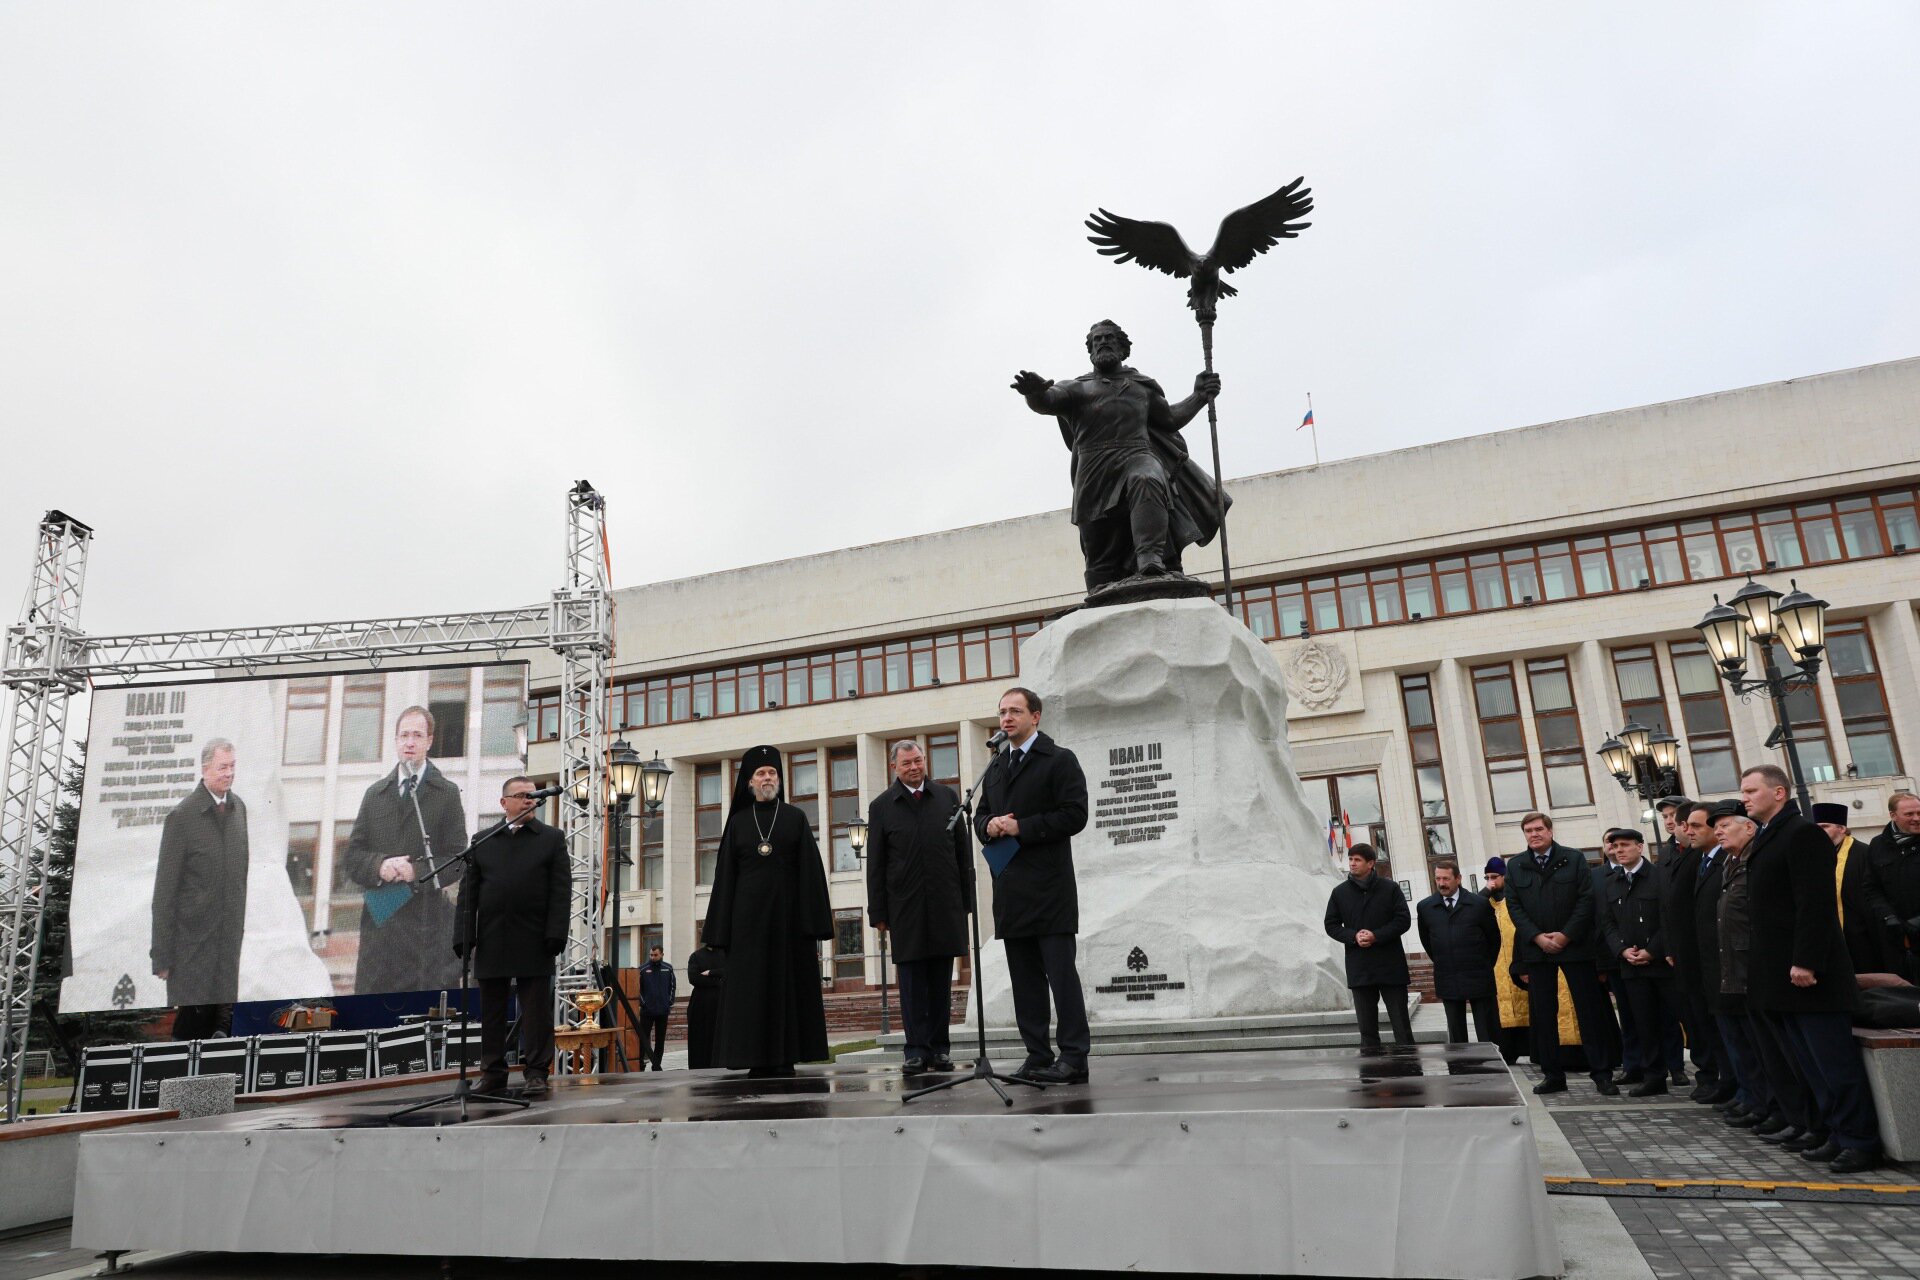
x=315, y=311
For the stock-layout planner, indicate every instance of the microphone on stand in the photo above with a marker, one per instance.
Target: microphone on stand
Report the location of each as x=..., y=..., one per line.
x=544, y=792
x=998, y=742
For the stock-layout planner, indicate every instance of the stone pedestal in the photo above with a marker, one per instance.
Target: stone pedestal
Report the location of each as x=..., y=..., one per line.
x=1203, y=872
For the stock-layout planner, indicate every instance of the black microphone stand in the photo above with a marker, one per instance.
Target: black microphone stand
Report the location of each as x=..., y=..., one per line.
x=463, y=1091
x=982, y=1066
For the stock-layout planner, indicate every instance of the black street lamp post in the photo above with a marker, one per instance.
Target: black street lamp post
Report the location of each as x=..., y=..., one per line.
x=1797, y=622
x=627, y=776
x=857, y=837
x=1645, y=764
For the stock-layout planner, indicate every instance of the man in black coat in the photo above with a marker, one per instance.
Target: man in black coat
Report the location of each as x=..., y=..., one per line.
x=1551, y=902
x=515, y=899
x=1035, y=792
x=1799, y=976
x=707, y=971
x=1367, y=913
x=1679, y=875
x=1705, y=869
x=1893, y=861
x=1633, y=926
x=200, y=899
x=919, y=890
x=1620, y=1051
x=1462, y=938
x=409, y=822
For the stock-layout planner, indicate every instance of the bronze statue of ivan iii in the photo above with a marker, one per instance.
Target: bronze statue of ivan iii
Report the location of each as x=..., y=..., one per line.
x=1138, y=499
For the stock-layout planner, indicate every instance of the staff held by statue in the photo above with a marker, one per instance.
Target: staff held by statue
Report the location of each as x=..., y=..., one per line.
x=1244, y=235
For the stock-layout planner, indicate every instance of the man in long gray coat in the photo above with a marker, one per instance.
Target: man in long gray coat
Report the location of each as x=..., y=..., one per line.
x=200, y=898
x=919, y=890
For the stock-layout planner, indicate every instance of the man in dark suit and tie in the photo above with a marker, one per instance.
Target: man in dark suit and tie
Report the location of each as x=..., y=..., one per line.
x=1036, y=793
x=515, y=901
x=200, y=899
x=1461, y=937
x=409, y=823
x=1550, y=899
x=1683, y=868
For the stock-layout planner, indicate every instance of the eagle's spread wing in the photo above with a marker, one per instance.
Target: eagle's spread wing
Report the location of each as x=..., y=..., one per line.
x=1155, y=244
x=1255, y=229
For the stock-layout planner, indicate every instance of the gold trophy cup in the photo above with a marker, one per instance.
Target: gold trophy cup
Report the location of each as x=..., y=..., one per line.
x=590, y=1003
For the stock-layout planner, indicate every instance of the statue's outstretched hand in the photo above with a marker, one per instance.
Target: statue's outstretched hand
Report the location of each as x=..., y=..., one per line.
x=1030, y=384
x=1207, y=384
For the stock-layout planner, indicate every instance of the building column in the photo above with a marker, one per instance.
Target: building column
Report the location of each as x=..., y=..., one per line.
x=973, y=759
x=676, y=862
x=1896, y=647
x=870, y=750
x=1469, y=807
x=1600, y=713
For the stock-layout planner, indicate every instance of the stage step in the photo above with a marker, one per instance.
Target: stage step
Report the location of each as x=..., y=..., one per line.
x=1327, y=1030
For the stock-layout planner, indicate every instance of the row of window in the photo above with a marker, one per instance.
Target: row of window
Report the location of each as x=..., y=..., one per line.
x=366, y=731
x=898, y=666
x=1508, y=749
x=1856, y=527
x=838, y=768
x=1851, y=528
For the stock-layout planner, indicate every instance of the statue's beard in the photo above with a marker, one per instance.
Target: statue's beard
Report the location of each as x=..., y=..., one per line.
x=764, y=791
x=1107, y=359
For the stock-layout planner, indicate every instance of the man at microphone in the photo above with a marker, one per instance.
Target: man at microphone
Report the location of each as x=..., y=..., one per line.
x=1036, y=794
x=409, y=822
x=514, y=904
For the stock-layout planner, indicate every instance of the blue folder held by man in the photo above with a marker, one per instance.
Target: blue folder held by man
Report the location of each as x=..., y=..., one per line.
x=999, y=853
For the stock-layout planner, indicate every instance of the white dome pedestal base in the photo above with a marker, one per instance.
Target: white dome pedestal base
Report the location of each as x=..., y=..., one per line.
x=1203, y=872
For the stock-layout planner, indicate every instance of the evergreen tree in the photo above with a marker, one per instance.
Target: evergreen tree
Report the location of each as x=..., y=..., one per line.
x=115, y=1027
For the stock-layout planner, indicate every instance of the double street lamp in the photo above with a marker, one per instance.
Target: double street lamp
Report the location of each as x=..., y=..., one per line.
x=627, y=776
x=857, y=837
x=1796, y=622
x=1645, y=762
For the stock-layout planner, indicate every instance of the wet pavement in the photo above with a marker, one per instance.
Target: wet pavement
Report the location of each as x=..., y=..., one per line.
x=1413, y=1076
x=1754, y=1237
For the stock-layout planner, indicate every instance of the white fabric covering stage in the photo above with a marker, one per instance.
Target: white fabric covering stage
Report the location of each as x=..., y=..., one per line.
x=1314, y=1162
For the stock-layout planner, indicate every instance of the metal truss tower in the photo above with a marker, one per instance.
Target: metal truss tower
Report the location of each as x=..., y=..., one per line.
x=36, y=742
x=48, y=660
x=582, y=629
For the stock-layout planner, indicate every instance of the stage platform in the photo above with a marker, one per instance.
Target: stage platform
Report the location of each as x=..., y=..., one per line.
x=1309, y=1162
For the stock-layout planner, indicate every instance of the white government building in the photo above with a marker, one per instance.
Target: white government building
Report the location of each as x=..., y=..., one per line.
x=1479, y=615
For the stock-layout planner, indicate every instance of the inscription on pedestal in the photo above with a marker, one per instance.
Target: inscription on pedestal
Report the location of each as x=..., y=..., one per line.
x=1139, y=984
x=1137, y=799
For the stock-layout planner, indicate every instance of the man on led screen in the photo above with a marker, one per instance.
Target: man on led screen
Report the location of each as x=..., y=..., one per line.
x=410, y=821
x=200, y=898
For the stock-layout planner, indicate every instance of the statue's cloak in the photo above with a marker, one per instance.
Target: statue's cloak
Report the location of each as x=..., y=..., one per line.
x=1195, y=516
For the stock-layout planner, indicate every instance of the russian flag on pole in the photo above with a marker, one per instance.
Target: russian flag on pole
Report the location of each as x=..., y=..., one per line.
x=1305, y=422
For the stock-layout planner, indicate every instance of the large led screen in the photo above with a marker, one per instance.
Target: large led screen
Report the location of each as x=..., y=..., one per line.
x=277, y=839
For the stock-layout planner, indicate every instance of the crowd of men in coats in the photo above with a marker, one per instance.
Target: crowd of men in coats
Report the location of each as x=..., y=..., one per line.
x=1753, y=945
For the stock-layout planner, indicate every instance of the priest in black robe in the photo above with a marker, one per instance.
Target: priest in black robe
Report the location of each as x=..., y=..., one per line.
x=769, y=912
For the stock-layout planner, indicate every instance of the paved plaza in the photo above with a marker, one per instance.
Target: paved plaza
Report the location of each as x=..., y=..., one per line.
x=1714, y=1232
